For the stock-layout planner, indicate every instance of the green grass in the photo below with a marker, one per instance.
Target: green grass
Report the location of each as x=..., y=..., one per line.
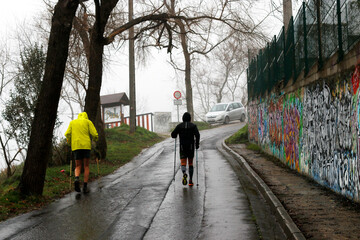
x=203, y=125
x=122, y=147
x=254, y=147
x=240, y=136
x=200, y=126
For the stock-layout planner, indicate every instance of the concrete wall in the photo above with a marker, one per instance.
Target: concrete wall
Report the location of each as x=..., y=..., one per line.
x=162, y=122
x=315, y=128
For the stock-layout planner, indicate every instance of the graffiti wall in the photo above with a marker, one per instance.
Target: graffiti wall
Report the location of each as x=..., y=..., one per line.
x=315, y=130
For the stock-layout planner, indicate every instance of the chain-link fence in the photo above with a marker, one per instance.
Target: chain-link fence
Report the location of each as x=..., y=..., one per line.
x=320, y=29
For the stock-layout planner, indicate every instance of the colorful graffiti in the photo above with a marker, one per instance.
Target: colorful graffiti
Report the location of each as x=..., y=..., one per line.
x=253, y=122
x=355, y=79
x=292, y=133
x=276, y=126
x=263, y=126
x=315, y=130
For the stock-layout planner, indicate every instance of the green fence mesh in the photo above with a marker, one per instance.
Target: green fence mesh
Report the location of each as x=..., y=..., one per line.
x=320, y=29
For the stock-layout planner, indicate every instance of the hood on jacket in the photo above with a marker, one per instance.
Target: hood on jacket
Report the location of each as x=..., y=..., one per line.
x=186, y=117
x=83, y=115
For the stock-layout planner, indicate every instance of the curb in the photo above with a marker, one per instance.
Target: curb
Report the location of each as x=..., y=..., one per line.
x=287, y=224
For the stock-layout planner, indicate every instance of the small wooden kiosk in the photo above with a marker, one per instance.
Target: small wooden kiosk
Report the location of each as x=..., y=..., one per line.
x=112, y=107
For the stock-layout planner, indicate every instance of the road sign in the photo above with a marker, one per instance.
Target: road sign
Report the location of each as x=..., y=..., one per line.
x=177, y=95
x=177, y=102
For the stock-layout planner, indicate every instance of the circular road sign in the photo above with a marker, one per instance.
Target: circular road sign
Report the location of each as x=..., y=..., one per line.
x=177, y=94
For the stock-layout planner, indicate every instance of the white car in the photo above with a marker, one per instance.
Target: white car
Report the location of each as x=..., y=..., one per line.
x=226, y=112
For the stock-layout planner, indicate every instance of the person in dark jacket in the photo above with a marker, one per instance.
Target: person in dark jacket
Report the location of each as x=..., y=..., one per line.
x=189, y=140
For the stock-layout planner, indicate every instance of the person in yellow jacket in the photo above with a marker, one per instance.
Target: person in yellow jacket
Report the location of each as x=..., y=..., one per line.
x=79, y=135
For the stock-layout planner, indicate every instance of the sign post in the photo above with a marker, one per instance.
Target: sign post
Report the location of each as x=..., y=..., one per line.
x=177, y=102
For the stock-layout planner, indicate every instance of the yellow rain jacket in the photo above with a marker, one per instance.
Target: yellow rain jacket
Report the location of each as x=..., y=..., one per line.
x=79, y=132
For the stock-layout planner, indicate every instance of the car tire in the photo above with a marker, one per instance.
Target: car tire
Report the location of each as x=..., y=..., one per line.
x=242, y=119
x=227, y=120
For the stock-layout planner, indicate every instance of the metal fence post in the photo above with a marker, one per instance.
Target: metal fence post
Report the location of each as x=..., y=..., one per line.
x=318, y=16
x=306, y=70
x=341, y=50
x=289, y=53
x=276, y=67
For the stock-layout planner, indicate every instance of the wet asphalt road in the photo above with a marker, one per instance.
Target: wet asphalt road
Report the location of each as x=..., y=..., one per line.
x=141, y=201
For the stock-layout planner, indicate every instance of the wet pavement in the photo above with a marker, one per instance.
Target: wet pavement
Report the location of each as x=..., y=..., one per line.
x=141, y=201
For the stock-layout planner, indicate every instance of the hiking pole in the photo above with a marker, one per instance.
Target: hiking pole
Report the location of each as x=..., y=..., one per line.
x=174, y=160
x=70, y=170
x=97, y=161
x=197, y=169
x=68, y=156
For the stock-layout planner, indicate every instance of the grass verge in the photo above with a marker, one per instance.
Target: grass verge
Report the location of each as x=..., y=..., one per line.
x=240, y=136
x=203, y=125
x=122, y=147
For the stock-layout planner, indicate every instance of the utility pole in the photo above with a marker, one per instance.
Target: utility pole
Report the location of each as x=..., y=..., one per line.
x=132, y=73
x=287, y=13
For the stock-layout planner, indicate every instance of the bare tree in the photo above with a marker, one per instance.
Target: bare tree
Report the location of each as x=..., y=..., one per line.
x=201, y=37
x=39, y=148
x=203, y=89
x=10, y=146
x=230, y=61
x=223, y=80
x=8, y=157
x=78, y=72
x=5, y=74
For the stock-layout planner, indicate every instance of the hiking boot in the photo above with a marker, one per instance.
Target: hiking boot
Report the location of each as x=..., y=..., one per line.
x=191, y=183
x=184, y=180
x=85, y=188
x=77, y=186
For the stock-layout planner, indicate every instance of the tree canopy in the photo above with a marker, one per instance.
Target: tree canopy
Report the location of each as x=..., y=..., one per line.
x=20, y=108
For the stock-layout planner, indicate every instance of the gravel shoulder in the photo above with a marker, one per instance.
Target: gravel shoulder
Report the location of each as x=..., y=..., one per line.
x=317, y=211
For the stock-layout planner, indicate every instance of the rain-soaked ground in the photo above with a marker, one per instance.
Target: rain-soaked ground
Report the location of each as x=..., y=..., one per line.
x=141, y=201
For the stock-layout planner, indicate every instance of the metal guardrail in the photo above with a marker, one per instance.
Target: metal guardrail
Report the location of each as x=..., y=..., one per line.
x=142, y=120
x=320, y=29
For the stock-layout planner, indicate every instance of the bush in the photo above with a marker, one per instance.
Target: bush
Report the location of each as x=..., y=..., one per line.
x=61, y=154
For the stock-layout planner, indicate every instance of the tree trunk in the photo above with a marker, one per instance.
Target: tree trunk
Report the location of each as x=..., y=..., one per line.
x=96, y=51
x=187, y=58
x=39, y=149
x=189, y=95
x=101, y=144
x=92, y=99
